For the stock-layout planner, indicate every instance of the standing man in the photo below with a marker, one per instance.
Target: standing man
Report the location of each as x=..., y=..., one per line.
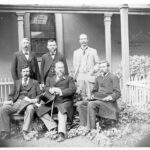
x=21, y=99
x=48, y=61
x=64, y=88
x=22, y=58
x=103, y=100
x=84, y=60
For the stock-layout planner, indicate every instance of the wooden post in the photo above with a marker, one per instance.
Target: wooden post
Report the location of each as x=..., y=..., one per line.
x=20, y=19
x=27, y=25
x=107, y=23
x=59, y=32
x=125, y=49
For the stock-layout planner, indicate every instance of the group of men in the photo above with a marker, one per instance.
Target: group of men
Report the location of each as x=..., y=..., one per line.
x=99, y=89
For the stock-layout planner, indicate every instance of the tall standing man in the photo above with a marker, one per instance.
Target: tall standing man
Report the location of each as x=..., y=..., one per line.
x=22, y=58
x=48, y=61
x=104, y=95
x=84, y=60
x=21, y=99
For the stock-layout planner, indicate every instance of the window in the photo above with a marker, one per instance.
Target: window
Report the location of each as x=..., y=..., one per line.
x=42, y=28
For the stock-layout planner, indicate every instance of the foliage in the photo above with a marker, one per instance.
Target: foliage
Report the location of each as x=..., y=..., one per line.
x=132, y=125
x=139, y=65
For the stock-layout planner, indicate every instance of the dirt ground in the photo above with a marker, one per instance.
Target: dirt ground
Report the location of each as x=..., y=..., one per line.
x=131, y=128
x=131, y=136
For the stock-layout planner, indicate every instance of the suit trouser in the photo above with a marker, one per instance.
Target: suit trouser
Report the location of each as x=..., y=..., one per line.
x=87, y=113
x=50, y=123
x=7, y=110
x=84, y=85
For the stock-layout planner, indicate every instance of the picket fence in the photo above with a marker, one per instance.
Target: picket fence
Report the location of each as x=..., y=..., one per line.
x=5, y=87
x=138, y=92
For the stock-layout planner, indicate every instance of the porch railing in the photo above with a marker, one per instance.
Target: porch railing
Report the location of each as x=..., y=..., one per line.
x=5, y=87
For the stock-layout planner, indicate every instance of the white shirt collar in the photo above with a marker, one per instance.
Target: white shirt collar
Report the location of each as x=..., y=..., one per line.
x=26, y=81
x=25, y=53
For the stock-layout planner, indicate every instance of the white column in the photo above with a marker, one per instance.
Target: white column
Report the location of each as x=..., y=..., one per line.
x=125, y=49
x=107, y=23
x=20, y=19
x=27, y=25
x=59, y=32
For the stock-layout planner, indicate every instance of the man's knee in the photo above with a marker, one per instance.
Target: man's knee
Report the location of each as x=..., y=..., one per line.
x=80, y=104
x=30, y=109
x=91, y=105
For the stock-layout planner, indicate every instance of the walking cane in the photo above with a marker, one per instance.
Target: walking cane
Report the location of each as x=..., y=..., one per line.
x=52, y=106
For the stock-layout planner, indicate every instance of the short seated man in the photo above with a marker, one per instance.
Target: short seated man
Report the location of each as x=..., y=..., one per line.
x=103, y=100
x=64, y=88
x=23, y=96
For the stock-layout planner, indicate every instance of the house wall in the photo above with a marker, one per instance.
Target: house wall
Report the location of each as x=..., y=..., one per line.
x=8, y=42
x=74, y=25
x=93, y=26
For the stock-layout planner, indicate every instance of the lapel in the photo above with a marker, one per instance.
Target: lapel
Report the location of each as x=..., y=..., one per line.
x=58, y=81
x=30, y=84
x=106, y=77
x=30, y=56
x=18, y=84
x=50, y=60
x=87, y=54
x=22, y=56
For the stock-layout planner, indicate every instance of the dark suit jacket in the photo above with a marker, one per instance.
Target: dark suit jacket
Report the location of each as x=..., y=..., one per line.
x=64, y=103
x=33, y=91
x=47, y=62
x=20, y=60
x=105, y=86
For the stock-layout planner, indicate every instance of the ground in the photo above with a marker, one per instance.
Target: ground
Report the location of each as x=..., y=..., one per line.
x=127, y=132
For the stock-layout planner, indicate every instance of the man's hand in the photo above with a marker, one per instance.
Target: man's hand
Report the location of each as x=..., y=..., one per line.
x=108, y=98
x=34, y=100
x=41, y=86
x=92, y=97
x=55, y=90
x=38, y=105
x=27, y=99
x=8, y=103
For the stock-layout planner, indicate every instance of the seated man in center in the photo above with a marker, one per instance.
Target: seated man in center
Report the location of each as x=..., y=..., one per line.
x=64, y=88
x=103, y=100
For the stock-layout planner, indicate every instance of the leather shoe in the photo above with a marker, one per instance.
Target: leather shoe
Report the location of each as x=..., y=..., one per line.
x=25, y=136
x=4, y=135
x=61, y=137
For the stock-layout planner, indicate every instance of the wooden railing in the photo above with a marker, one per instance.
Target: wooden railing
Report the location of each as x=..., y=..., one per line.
x=5, y=87
x=139, y=94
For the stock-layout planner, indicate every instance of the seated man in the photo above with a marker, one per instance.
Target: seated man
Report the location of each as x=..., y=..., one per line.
x=103, y=100
x=22, y=98
x=64, y=88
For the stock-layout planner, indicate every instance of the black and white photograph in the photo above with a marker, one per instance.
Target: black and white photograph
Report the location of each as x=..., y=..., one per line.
x=74, y=74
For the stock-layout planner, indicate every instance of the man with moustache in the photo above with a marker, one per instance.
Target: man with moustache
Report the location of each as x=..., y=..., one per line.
x=84, y=60
x=22, y=98
x=103, y=100
x=63, y=87
x=22, y=58
x=48, y=62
